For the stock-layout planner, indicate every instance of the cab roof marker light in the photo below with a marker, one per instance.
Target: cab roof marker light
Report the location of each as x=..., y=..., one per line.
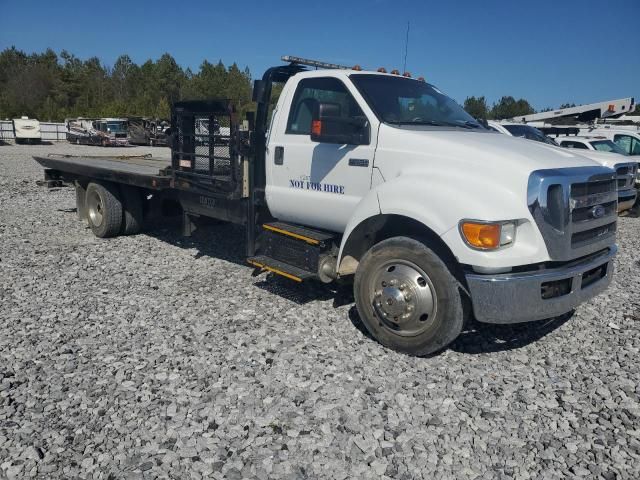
x=357, y=68
x=313, y=63
x=382, y=70
x=421, y=79
x=406, y=74
x=395, y=72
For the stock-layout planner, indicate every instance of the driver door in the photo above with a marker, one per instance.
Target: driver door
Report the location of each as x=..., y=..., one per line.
x=312, y=183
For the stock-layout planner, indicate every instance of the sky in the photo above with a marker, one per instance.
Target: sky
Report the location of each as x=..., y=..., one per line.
x=548, y=52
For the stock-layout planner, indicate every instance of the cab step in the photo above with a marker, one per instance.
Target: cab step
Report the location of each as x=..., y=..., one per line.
x=293, y=251
x=262, y=262
x=308, y=235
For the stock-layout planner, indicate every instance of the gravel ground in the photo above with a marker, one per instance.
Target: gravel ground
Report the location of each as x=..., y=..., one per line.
x=155, y=356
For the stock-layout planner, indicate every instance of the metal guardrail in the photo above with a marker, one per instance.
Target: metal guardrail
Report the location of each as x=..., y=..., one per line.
x=49, y=131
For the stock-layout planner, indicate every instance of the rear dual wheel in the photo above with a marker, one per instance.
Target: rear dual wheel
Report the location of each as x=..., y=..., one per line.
x=111, y=211
x=104, y=209
x=407, y=297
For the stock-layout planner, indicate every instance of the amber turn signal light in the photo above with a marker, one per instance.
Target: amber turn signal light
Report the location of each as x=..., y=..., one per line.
x=316, y=127
x=485, y=236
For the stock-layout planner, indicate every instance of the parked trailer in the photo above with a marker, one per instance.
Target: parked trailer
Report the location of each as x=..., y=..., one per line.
x=365, y=176
x=26, y=130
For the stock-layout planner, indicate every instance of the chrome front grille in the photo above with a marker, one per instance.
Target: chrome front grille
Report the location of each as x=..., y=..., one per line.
x=575, y=209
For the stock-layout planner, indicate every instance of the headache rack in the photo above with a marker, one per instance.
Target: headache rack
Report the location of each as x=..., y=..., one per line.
x=207, y=151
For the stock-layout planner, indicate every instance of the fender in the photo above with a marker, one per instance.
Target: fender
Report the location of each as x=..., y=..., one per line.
x=439, y=205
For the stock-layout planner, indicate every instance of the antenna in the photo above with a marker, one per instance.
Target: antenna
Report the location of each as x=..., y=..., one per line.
x=406, y=48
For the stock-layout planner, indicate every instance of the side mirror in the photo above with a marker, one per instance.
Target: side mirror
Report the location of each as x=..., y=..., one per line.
x=327, y=126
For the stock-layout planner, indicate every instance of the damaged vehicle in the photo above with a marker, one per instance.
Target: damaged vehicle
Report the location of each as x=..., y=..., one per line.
x=148, y=131
x=107, y=132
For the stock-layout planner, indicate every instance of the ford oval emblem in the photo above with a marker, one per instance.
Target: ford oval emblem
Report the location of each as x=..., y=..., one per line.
x=597, y=211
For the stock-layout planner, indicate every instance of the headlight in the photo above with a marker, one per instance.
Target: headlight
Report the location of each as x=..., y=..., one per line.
x=488, y=235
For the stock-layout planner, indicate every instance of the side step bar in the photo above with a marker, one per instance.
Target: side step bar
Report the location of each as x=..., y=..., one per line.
x=312, y=237
x=272, y=265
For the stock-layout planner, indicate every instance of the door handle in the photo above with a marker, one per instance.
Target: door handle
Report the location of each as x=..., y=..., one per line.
x=278, y=157
x=358, y=162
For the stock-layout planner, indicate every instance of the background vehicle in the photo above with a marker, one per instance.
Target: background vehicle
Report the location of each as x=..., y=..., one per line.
x=148, y=131
x=520, y=130
x=627, y=141
x=596, y=142
x=608, y=119
x=608, y=109
x=98, y=131
x=349, y=182
x=26, y=130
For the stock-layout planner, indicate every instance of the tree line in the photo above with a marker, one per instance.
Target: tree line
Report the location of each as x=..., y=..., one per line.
x=52, y=87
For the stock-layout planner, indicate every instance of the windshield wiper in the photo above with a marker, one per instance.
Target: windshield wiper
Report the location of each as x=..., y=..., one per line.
x=421, y=122
x=462, y=124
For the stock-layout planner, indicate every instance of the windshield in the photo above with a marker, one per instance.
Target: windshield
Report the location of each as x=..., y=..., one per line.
x=529, y=132
x=116, y=127
x=403, y=101
x=607, y=146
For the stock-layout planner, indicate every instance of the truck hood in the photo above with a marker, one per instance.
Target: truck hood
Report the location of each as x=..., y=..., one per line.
x=476, y=151
x=470, y=173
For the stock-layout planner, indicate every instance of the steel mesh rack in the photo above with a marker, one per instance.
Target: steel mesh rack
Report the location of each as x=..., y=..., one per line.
x=205, y=145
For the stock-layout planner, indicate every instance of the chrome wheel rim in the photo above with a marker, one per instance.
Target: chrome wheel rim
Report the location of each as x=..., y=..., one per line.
x=403, y=298
x=95, y=206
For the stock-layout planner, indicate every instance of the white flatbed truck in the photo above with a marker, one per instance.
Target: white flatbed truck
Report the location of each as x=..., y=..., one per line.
x=386, y=181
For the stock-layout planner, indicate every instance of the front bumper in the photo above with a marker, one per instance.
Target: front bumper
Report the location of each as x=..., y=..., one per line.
x=518, y=297
x=626, y=199
x=118, y=142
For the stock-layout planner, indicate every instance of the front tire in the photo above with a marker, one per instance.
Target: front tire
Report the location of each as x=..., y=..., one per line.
x=104, y=209
x=407, y=298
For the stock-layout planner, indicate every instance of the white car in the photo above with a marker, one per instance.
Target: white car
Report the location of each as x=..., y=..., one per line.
x=593, y=142
x=627, y=139
x=519, y=130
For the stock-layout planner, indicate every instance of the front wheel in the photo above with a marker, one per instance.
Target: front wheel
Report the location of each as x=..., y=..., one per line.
x=407, y=297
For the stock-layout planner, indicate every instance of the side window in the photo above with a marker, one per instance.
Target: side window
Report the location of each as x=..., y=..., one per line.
x=635, y=146
x=624, y=142
x=574, y=145
x=310, y=93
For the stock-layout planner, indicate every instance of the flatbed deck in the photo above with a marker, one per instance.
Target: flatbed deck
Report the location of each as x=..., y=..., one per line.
x=143, y=171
